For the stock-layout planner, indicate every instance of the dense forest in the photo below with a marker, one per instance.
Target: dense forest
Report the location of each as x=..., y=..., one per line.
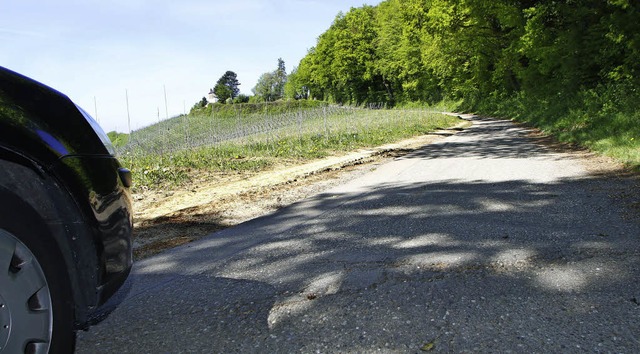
x=568, y=65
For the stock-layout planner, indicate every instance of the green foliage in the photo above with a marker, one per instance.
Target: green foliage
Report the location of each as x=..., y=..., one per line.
x=118, y=139
x=271, y=86
x=268, y=108
x=571, y=67
x=280, y=78
x=199, y=105
x=227, y=87
x=340, y=68
x=264, y=89
x=295, y=88
x=242, y=98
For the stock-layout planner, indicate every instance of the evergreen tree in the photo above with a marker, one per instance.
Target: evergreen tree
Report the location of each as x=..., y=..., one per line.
x=280, y=80
x=227, y=87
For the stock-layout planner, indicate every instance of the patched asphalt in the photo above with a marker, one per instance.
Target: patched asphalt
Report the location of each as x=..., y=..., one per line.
x=484, y=241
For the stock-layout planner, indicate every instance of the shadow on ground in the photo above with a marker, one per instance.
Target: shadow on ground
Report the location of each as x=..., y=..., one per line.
x=450, y=265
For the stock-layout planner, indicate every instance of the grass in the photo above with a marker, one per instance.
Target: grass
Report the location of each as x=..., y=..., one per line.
x=605, y=120
x=173, y=151
x=616, y=135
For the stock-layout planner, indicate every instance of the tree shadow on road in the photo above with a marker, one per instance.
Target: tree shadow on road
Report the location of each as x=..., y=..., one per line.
x=452, y=265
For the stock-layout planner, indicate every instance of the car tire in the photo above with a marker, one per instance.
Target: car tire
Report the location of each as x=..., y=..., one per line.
x=32, y=273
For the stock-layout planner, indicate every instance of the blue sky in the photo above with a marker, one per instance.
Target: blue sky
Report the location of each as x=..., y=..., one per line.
x=95, y=51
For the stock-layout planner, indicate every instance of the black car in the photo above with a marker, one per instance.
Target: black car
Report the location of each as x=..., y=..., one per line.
x=65, y=218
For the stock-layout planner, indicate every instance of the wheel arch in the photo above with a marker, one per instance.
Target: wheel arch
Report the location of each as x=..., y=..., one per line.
x=28, y=194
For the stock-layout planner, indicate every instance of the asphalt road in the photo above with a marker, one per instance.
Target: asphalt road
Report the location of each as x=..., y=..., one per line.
x=482, y=242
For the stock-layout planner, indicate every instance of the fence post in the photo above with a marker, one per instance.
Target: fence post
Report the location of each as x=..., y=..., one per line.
x=326, y=127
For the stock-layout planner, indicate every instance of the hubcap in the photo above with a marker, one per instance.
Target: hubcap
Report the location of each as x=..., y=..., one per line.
x=26, y=315
x=5, y=323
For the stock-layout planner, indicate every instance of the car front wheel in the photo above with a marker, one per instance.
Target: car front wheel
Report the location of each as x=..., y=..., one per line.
x=28, y=300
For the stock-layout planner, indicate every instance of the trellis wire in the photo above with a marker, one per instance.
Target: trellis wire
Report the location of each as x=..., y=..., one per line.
x=193, y=131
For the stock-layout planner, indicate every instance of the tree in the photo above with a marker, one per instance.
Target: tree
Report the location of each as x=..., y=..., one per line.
x=280, y=79
x=294, y=88
x=270, y=86
x=241, y=99
x=227, y=87
x=264, y=88
x=341, y=67
x=562, y=56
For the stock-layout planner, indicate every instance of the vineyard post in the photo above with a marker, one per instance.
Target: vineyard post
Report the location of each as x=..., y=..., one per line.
x=164, y=134
x=211, y=128
x=126, y=94
x=166, y=106
x=299, y=114
x=185, y=123
x=347, y=123
x=267, y=132
x=326, y=127
x=239, y=128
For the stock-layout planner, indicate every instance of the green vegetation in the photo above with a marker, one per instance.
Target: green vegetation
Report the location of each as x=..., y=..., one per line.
x=226, y=89
x=118, y=139
x=258, y=136
x=270, y=86
x=569, y=67
x=270, y=108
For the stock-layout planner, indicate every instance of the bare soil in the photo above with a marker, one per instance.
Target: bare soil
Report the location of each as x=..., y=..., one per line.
x=214, y=201
x=189, y=222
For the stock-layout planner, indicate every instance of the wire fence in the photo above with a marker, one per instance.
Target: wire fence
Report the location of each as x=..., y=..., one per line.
x=167, y=152
x=196, y=130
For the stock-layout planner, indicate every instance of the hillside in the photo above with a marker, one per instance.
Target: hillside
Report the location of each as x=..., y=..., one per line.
x=253, y=137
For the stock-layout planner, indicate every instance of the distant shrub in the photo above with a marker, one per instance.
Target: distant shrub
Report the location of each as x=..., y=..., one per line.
x=242, y=98
x=278, y=107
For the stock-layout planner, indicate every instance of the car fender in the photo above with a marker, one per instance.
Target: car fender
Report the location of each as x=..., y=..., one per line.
x=34, y=195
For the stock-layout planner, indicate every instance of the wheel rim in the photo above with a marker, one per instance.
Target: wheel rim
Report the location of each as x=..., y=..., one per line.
x=26, y=314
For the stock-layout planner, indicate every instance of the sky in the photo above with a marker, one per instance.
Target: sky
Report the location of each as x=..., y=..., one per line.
x=103, y=53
